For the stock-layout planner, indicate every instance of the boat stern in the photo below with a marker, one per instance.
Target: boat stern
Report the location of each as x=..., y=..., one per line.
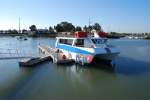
x=108, y=53
x=96, y=54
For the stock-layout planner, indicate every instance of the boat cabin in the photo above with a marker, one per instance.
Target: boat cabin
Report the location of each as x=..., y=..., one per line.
x=81, y=42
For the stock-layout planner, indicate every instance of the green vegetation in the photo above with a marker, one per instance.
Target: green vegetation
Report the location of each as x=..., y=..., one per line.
x=115, y=35
x=97, y=27
x=53, y=30
x=33, y=28
x=78, y=28
x=64, y=27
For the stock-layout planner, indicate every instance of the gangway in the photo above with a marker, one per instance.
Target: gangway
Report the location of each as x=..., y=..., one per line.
x=55, y=54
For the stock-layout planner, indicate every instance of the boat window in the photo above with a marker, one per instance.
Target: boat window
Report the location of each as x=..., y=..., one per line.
x=66, y=41
x=79, y=42
x=69, y=41
x=87, y=43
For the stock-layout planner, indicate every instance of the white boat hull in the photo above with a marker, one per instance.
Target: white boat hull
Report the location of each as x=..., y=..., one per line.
x=100, y=53
x=85, y=50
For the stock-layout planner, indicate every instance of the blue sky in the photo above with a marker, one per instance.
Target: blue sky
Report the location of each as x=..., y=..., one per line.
x=113, y=15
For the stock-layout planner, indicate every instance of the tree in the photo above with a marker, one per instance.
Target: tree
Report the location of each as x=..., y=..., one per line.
x=24, y=31
x=90, y=28
x=51, y=30
x=58, y=28
x=9, y=31
x=97, y=27
x=14, y=31
x=65, y=27
x=33, y=28
x=114, y=33
x=85, y=28
x=78, y=28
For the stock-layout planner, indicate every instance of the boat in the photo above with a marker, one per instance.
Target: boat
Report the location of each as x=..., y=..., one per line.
x=84, y=48
x=22, y=37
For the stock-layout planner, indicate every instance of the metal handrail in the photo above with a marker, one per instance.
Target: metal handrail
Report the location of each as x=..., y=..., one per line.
x=13, y=53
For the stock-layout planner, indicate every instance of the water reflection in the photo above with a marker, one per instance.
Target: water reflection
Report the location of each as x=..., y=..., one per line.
x=50, y=81
x=86, y=74
x=12, y=80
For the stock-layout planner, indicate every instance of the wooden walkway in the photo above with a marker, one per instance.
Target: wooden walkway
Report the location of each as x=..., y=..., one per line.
x=56, y=55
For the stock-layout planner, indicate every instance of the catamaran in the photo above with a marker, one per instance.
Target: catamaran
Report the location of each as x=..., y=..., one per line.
x=84, y=48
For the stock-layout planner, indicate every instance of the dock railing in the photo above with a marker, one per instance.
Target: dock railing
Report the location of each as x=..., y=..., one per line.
x=14, y=54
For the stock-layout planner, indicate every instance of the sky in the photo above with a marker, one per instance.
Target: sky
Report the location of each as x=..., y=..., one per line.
x=112, y=15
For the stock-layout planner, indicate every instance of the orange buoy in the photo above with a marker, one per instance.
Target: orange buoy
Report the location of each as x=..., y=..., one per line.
x=63, y=57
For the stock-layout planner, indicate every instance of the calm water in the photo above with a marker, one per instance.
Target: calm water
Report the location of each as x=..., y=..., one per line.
x=127, y=79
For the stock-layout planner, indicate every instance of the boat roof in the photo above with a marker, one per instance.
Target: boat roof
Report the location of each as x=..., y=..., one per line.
x=71, y=37
x=80, y=35
x=79, y=38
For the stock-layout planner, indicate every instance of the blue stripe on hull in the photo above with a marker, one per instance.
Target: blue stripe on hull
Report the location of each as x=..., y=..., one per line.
x=72, y=49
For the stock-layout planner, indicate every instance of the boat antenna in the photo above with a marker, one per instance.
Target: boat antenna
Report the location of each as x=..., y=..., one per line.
x=19, y=25
x=89, y=21
x=89, y=24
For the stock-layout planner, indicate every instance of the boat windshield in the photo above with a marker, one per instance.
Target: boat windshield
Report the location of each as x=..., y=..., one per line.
x=99, y=41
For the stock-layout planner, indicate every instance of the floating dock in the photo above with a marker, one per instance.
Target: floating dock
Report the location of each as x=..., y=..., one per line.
x=32, y=61
x=47, y=53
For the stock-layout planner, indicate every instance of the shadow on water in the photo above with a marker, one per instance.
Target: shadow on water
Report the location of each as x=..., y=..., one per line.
x=107, y=66
x=97, y=65
x=28, y=76
x=18, y=84
x=121, y=65
x=129, y=66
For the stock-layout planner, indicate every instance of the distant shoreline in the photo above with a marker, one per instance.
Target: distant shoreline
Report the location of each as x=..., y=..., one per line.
x=12, y=34
x=38, y=35
x=54, y=35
